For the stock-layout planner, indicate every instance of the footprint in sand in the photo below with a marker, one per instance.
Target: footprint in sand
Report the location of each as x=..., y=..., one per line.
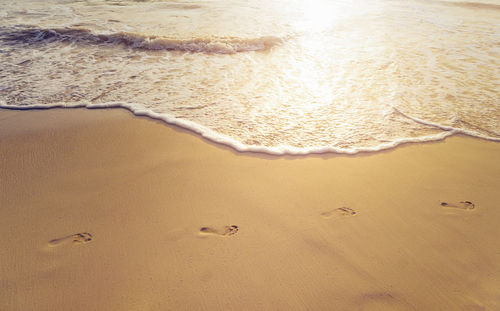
x=466, y=205
x=344, y=211
x=226, y=231
x=78, y=238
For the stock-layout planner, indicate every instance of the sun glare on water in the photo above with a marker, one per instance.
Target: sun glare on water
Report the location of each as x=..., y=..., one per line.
x=319, y=15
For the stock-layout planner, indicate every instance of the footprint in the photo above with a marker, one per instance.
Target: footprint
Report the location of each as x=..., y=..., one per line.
x=78, y=238
x=467, y=205
x=344, y=211
x=226, y=231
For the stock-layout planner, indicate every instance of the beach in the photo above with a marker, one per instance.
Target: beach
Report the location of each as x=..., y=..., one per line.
x=104, y=210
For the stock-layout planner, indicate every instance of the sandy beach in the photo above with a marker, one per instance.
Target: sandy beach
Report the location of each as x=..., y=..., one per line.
x=103, y=210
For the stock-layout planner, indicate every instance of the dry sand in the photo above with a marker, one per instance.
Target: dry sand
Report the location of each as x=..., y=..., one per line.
x=101, y=210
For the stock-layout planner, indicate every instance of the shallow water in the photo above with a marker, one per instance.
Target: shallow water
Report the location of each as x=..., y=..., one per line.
x=279, y=77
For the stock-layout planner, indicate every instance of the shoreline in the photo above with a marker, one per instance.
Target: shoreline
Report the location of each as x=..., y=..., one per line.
x=102, y=210
x=222, y=140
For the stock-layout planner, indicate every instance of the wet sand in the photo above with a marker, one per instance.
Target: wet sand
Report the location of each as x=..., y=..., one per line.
x=102, y=210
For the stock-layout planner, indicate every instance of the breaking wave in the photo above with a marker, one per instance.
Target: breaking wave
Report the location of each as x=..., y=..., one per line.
x=209, y=45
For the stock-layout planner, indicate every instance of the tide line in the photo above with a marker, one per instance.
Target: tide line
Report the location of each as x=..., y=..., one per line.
x=240, y=147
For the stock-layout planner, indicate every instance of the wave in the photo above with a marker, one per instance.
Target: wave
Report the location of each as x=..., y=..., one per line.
x=211, y=135
x=210, y=45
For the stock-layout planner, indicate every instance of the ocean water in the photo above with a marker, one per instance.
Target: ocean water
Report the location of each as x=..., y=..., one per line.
x=272, y=76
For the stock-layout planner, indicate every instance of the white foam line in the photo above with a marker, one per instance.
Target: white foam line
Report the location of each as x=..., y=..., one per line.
x=446, y=128
x=238, y=146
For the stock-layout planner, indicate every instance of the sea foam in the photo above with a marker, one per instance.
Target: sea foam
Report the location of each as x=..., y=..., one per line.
x=219, y=45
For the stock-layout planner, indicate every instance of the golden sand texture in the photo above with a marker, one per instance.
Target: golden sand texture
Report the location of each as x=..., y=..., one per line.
x=101, y=210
